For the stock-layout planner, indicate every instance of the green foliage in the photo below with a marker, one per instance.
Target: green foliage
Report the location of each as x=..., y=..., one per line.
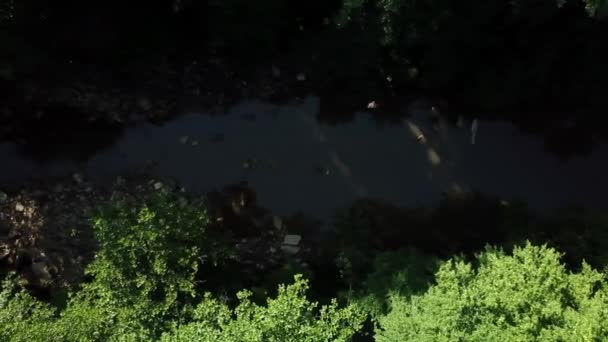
x=289, y=317
x=593, y=6
x=22, y=317
x=143, y=285
x=527, y=296
x=401, y=273
x=149, y=256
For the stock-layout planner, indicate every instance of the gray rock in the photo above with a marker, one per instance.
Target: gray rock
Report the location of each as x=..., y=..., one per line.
x=144, y=104
x=184, y=139
x=292, y=240
x=78, y=178
x=182, y=202
x=276, y=72
x=277, y=222
x=41, y=270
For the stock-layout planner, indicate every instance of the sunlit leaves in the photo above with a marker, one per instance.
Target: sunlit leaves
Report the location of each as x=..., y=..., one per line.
x=526, y=296
x=149, y=255
x=288, y=317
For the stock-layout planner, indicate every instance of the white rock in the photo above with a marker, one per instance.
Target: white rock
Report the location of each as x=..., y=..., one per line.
x=158, y=185
x=301, y=77
x=19, y=207
x=372, y=105
x=292, y=239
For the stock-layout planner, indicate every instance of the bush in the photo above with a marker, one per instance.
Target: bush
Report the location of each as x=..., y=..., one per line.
x=526, y=296
x=149, y=256
x=143, y=285
x=289, y=317
x=405, y=272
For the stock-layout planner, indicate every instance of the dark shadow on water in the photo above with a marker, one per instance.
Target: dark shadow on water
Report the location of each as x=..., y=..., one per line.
x=63, y=133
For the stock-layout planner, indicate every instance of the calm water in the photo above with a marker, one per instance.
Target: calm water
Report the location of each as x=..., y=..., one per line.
x=295, y=163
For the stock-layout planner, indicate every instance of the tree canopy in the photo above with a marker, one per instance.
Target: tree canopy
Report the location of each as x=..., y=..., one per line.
x=526, y=296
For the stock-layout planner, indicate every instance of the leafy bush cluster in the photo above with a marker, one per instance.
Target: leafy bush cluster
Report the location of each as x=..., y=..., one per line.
x=526, y=296
x=146, y=284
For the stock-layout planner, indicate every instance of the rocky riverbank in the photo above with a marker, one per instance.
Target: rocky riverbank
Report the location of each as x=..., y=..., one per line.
x=46, y=232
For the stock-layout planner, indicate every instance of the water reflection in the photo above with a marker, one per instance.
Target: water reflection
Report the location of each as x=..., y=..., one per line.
x=284, y=145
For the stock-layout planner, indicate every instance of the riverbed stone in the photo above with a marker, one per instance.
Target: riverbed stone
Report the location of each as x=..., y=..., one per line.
x=277, y=222
x=292, y=239
x=78, y=178
x=276, y=72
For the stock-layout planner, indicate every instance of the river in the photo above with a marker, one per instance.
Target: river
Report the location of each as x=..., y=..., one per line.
x=296, y=163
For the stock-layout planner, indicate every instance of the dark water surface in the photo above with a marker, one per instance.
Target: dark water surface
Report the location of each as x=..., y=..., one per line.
x=296, y=163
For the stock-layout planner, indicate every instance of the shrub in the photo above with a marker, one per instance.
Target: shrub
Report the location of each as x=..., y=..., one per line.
x=289, y=317
x=149, y=256
x=526, y=296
